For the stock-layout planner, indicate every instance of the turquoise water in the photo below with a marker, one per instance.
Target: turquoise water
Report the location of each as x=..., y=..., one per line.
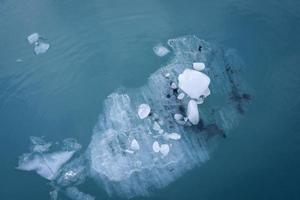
x=99, y=46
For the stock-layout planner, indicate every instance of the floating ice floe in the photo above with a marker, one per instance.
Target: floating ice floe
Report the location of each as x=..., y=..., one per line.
x=199, y=66
x=193, y=83
x=163, y=156
x=144, y=110
x=173, y=85
x=33, y=38
x=167, y=75
x=74, y=194
x=160, y=50
x=156, y=126
x=192, y=112
x=41, y=47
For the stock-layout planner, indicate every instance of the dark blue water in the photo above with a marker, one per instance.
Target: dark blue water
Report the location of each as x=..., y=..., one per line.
x=98, y=46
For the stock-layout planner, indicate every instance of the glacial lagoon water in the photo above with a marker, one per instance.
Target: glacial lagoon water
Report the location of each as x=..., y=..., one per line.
x=101, y=57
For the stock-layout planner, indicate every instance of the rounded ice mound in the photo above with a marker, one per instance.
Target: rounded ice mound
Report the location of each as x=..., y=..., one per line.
x=131, y=157
x=33, y=38
x=193, y=83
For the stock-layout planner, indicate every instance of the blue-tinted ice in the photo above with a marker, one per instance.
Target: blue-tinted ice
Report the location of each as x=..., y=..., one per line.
x=121, y=156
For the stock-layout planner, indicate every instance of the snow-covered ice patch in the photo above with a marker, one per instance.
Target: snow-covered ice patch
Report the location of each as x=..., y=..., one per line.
x=41, y=47
x=199, y=66
x=192, y=112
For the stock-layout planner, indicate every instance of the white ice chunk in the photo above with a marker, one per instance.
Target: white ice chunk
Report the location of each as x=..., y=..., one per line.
x=134, y=145
x=167, y=75
x=181, y=96
x=33, y=38
x=174, y=136
x=46, y=165
x=199, y=66
x=160, y=50
x=161, y=131
x=41, y=47
x=156, y=147
x=164, y=149
x=144, y=110
x=192, y=112
x=193, y=83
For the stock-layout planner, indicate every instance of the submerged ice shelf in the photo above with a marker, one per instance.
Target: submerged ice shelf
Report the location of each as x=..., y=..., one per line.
x=150, y=136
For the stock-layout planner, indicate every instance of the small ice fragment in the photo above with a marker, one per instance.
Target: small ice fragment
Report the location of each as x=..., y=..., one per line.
x=179, y=119
x=156, y=126
x=144, y=111
x=34, y=37
x=161, y=131
x=41, y=47
x=164, y=149
x=199, y=66
x=160, y=50
x=134, y=145
x=193, y=82
x=173, y=85
x=174, y=136
x=167, y=75
x=192, y=112
x=156, y=147
x=181, y=96
x=19, y=60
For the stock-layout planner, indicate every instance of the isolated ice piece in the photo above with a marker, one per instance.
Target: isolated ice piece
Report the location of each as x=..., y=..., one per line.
x=41, y=48
x=156, y=147
x=134, y=145
x=160, y=50
x=193, y=83
x=46, y=165
x=174, y=136
x=181, y=96
x=179, y=119
x=192, y=112
x=167, y=75
x=199, y=66
x=144, y=110
x=164, y=149
x=33, y=38
x=74, y=194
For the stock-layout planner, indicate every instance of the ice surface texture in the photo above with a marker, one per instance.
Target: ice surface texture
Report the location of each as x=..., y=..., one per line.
x=129, y=156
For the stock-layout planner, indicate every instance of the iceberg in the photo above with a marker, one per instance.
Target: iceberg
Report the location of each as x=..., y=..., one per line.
x=136, y=150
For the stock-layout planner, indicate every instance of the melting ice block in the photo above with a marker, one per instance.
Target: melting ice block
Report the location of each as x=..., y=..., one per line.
x=192, y=112
x=193, y=83
x=41, y=47
x=33, y=38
